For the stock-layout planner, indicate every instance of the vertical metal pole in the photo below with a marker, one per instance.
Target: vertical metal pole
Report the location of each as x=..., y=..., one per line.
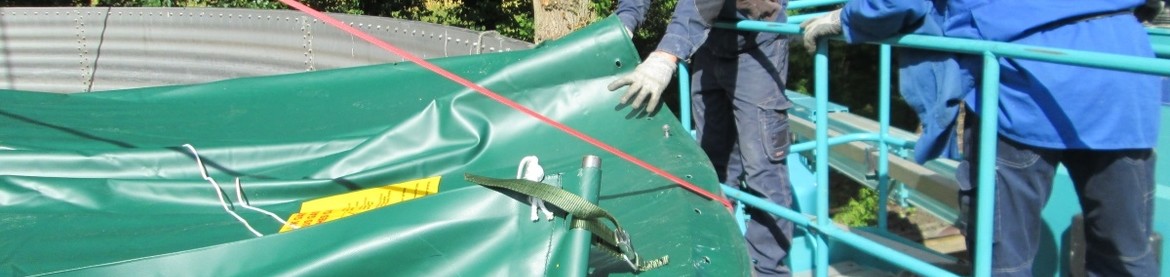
x=821, y=87
x=575, y=261
x=590, y=178
x=684, y=97
x=988, y=134
x=741, y=216
x=883, y=168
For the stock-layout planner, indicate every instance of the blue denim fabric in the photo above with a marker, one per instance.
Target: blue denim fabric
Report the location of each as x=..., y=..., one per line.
x=632, y=13
x=1165, y=90
x=1115, y=189
x=741, y=119
x=691, y=23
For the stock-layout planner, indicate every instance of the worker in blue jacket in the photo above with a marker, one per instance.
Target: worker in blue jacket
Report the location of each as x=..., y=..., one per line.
x=740, y=109
x=1100, y=124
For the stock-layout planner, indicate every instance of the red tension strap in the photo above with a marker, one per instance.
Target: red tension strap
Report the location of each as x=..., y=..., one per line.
x=507, y=102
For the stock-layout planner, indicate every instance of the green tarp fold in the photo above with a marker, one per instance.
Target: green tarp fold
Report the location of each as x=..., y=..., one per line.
x=99, y=183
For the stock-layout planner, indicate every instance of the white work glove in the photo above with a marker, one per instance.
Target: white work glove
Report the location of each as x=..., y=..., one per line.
x=819, y=27
x=647, y=80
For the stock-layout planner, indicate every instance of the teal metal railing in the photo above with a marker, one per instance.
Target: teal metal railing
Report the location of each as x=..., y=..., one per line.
x=819, y=223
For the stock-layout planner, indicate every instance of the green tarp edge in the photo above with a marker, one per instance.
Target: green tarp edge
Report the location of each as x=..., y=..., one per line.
x=98, y=183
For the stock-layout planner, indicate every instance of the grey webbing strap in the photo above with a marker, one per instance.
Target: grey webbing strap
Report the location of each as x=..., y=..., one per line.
x=586, y=216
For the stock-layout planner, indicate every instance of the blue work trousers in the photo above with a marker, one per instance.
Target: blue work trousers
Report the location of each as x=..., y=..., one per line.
x=1115, y=189
x=741, y=119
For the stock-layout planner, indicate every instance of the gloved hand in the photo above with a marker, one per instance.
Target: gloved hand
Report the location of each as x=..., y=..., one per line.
x=821, y=26
x=1148, y=11
x=647, y=80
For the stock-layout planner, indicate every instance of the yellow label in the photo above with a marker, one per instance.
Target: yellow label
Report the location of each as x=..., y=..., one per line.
x=330, y=208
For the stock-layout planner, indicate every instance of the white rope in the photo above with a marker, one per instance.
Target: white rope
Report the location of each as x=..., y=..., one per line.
x=218, y=192
x=244, y=202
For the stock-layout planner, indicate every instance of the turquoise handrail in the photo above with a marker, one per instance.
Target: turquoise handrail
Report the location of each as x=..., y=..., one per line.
x=797, y=19
x=990, y=51
x=813, y=3
x=821, y=93
x=999, y=49
x=847, y=138
x=805, y=221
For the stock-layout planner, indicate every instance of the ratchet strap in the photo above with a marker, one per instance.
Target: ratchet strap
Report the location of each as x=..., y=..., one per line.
x=586, y=215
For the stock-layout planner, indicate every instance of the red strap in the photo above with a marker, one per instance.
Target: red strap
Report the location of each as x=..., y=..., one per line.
x=507, y=102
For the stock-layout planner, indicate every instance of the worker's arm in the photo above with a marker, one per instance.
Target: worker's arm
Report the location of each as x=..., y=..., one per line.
x=688, y=28
x=632, y=13
x=865, y=21
x=689, y=25
x=872, y=20
x=690, y=22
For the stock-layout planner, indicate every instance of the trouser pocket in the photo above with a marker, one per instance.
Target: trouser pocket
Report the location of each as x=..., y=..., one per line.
x=776, y=136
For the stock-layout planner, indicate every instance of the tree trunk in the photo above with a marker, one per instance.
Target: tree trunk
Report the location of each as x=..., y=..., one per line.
x=556, y=18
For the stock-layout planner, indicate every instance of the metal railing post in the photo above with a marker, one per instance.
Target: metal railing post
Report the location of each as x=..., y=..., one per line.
x=821, y=88
x=684, y=97
x=883, y=168
x=988, y=134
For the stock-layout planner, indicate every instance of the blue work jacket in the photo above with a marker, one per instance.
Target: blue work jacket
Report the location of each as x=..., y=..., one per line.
x=690, y=26
x=1041, y=104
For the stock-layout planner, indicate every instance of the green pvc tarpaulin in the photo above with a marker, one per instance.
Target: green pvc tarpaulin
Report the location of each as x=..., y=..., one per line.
x=100, y=184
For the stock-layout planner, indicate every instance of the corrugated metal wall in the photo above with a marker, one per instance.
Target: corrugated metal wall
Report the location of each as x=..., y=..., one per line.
x=83, y=49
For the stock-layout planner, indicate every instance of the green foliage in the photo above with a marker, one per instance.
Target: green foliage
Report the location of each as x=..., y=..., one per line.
x=442, y=12
x=652, y=30
x=514, y=18
x=511, y=18
x=861, y=209
x=602, y=8
x=521, y=24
